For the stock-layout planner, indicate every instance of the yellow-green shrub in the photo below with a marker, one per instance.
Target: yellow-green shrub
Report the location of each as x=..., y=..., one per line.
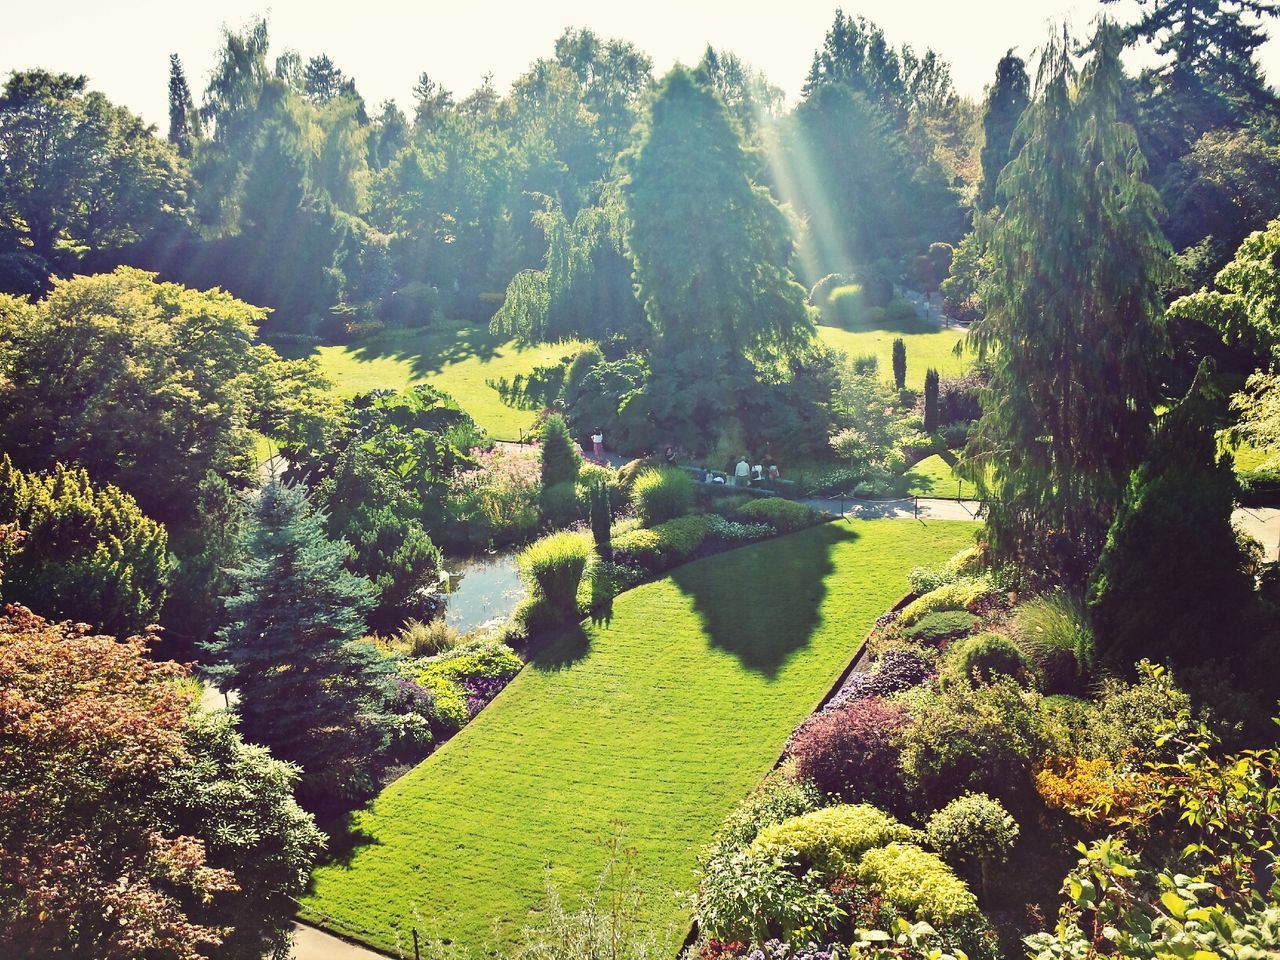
x=917, y=883
x=663, y=494
x=783, y=515
x=663, y=546
x=553, y=568
x=953, y=596
x=830, y=840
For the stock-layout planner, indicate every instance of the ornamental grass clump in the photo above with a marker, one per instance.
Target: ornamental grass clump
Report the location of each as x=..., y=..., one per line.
x=1054, y=632
x=553, y=568
x=662, y=494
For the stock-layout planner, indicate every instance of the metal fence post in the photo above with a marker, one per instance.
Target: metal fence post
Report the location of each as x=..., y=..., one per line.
x=416, y=954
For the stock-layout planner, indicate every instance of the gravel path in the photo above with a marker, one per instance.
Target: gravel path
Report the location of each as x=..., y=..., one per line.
x=312, y=944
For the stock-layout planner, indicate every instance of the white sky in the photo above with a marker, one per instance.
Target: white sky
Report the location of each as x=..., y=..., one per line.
x=123, y=45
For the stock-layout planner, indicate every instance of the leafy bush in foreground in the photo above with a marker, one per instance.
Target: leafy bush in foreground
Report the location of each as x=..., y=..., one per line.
x=661, y=495
x=662, y=546
x=785, y=516
x=918, y=884
x=830, y=840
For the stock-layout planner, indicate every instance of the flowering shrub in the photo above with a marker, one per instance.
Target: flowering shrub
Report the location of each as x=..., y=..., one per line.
x=850, y=752
x=498, y=499
x=830, y=840
x=722, y=529
x=462, y=680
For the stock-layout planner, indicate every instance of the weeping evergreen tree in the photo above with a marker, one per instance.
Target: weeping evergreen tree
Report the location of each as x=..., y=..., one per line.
x=1173, y=539
x=1006, y=100
x=1074, y=319
x=309, y=689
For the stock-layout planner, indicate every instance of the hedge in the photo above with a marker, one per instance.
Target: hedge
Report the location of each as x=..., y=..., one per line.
x=785, y=516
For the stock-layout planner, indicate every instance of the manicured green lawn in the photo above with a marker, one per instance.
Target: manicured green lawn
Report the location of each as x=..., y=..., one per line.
x=459, y=359
x=649, y=725
x=933, y=477
x=925, y=348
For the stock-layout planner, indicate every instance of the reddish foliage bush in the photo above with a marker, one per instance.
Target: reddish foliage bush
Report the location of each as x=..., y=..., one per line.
x=850, y=752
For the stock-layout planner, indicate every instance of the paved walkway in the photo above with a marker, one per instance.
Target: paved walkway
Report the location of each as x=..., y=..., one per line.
x=312, y=944
x=1263, y=524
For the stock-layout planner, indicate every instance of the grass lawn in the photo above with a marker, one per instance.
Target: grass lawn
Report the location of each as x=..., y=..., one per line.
x=926, y=347
x=458, y=359
x=648, y=725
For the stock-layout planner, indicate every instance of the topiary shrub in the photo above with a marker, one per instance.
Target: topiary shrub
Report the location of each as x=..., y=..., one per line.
x=553, y=567
x=851, y=752
x=973, y=833
x=663, y=546
x=662, y=494
x=785, y=516
x=983, y=657
x=1053, y=631
x=830, y=840
x=918, y=884
x=937, y=627
x=953, y=596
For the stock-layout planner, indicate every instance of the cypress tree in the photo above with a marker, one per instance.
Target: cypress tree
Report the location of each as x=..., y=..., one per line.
x=900, y=363
x=1074, y=319
x=930, y=400
x=1173, y=540
x=560, y=457
x=602, y=520
x=1006, y=100
x=309, y=690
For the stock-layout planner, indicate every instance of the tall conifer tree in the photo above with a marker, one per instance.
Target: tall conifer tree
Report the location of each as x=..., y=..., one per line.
x=1006, y=100
x=184, y=119
x=1074, y=320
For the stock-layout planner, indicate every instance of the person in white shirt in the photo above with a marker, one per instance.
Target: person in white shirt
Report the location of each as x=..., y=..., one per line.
x=742, y=472
x=597, y=442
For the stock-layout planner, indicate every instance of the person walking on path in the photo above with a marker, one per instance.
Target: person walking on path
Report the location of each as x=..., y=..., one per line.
x=597, y=442
x=742, y=472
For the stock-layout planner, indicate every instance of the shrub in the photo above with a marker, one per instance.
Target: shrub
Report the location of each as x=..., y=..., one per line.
x=1052, y=630
x=953, y=596
x=983, y=739
x=973, y=833
x=821, y=291
x=899, y=363
x=918, y=884
x=924, y=580
x=560, y=457
x=747, y=898
x=845, y=306
x=553, y=567
x=897, y=669
x=937, y=627
x=662, y=546
x=419, y=639
x=497, y=500
x=561, y=504
x=731, y=532
x=662, y=494
x=461, y=681
x=629, y=472
x=830, y=840
x=784, y=516
x=931, y=422
x=414, y=305
x=850, y=752
x=779, y=798
x=983, y=657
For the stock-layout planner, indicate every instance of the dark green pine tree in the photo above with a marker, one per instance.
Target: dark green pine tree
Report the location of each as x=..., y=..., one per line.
x=184, y=119
x=1173, y=539
x=1006, y=100
x=899, y=363
x=930, y=400
x=602, y=520
x=1074, y=325
x=309, y=689
x=560, y=457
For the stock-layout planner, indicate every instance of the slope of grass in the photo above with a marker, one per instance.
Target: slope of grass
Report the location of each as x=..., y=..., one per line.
x=648, y=725
x=926, y=347
x=457, y=358
x=934, y=477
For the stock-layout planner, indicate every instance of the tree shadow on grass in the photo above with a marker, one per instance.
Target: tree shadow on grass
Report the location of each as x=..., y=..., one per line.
x=345, y=838
x=560, y=649
x=428, y=351
x=763, y=603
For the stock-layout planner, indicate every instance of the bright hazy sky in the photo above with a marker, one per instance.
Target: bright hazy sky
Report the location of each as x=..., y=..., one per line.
x=123, y=45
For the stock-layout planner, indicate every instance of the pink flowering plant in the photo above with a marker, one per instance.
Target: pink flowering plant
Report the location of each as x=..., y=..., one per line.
x=497, y=499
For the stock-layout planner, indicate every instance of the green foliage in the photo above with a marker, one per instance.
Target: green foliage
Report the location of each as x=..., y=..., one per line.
x=982, y=657
x=87, y=553
x=239, y=801
x=785, y=516
x=601, y=515
x=309, y=689
x=418, y=639
x=147, y=385
x=1076, y=257
x=749, y=898
x=207, y=549
x=779, y=798
x=663, y=546
x=831, y=840
x=1173, y=540
x=952, y=596
x=973, y=739
x=930, y=400
x=917, y=884
x=444, y=676
x=899, y=363
x=553, y=568
x=560, y=457
x=1006, y=100
x=933, y=628
x=662, y=494
x=1053, y=631
x=972, y=829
